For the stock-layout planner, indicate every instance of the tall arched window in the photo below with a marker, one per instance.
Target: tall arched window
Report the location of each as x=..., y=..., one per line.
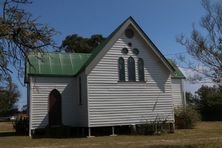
x=131, y=69
x=55, y=108
x=121, y=65
x=141, y=69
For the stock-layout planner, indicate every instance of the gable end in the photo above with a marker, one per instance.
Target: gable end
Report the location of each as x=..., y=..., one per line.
x=100, y=51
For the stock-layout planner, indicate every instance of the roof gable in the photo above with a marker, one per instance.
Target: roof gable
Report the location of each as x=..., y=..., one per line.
x=71, y=64
x=101, y=50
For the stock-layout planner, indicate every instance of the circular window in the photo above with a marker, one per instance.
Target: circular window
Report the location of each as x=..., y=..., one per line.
x=129, y=44
x=135, y=51
x=129, y=33
x=124, y=50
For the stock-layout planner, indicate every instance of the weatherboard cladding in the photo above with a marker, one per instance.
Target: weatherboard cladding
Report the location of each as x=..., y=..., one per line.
x=177, y=92
x=122, y=103
x=130, y=22
x=70, y=64
x=40, y=90
x=106, y=101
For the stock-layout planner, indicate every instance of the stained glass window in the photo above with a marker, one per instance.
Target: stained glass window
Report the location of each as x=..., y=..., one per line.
x=121, y=64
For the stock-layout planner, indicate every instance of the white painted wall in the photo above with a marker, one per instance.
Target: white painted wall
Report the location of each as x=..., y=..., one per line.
x=114, y=103
x=177, y=92
x=40, y=88
x=81, y=109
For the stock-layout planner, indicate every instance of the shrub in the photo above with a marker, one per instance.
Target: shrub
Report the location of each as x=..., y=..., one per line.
x=186, y=118
x=21, y=126
x=157, y=127
x=210, y=104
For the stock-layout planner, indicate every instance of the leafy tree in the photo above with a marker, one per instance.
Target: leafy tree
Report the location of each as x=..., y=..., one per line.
x=8, y=97
x=210, y=102
x=192, y=100
x=78, y=44
x=206, y=46
x=19, y=35
x=189, y=98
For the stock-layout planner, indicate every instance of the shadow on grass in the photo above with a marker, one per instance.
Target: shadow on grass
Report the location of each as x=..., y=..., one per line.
x=7, y=133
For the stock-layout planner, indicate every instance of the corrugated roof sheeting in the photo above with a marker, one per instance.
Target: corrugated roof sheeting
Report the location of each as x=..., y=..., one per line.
x=65, y=64
x=177, y=74
x=70, y=64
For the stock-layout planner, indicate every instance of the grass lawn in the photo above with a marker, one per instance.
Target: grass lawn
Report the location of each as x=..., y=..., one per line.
x=206, y=134
x=6, y=127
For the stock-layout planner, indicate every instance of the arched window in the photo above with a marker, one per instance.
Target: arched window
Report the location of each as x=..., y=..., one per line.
x=55, y=108
x=121, y=65
x=131, y=69
x=141, y=69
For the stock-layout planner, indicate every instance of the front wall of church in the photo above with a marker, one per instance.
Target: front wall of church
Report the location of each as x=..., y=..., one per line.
x=114, y=103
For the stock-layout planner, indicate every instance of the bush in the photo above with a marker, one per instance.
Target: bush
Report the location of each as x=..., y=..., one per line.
x=21, y=126
x=210, y=104
x=156, y=127
x=186, y=118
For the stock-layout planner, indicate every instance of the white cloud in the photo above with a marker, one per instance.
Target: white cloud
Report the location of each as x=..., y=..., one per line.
x=195, y=79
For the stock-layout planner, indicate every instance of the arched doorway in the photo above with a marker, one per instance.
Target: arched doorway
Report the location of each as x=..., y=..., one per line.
x=55, y=108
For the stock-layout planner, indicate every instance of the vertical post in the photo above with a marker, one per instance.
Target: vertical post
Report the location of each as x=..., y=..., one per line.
x=32, y=133
x=89, y=132
x=133, y=129
x=172, y=127
x=113, y=131
x=183, y=94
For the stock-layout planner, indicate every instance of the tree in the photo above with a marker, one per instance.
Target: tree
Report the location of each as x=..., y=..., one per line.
x=206, y=46
x=75, y=43
x=8, y=97
x=190, y=99
x=210, y=102
x=19, y=35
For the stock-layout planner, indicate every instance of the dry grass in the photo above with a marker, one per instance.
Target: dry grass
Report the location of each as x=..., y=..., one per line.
x=206, y=134
x=6, y=127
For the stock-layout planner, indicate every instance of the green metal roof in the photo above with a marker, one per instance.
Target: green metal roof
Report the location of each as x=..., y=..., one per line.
x=52, y=63
x=178, y=73
x=57, y=64
x=70, y=64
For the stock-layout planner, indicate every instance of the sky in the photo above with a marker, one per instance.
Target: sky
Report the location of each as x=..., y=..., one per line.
x=161, y=20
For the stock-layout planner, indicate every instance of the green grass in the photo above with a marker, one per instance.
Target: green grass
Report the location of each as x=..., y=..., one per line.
x=205, y=134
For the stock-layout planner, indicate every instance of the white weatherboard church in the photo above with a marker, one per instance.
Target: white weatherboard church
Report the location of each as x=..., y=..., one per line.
x=125, y=81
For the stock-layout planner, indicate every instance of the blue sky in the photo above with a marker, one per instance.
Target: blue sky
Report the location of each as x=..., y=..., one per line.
x=161, y=20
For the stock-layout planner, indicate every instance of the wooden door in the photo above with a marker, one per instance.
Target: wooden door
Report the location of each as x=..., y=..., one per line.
x=55, y=109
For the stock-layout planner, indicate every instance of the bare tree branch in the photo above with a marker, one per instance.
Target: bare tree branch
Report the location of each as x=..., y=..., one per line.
x=206, y=47
x=21, y=34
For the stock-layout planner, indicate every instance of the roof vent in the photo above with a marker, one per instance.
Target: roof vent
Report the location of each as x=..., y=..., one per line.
x=129, y=33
